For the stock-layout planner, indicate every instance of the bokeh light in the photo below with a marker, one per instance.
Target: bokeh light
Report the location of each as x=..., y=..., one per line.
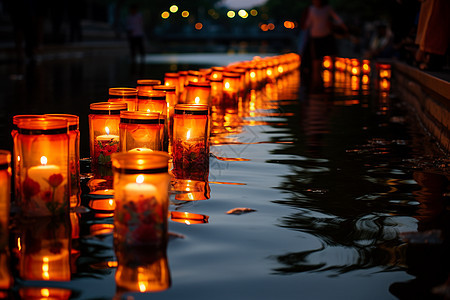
x=165, y=14
x=231, y=14
x=198, y=26
x=243, y=13
x=254, y=12
x=185, y=14
x=173, y=9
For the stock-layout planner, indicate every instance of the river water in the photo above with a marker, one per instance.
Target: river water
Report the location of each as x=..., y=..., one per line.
x=341, y=194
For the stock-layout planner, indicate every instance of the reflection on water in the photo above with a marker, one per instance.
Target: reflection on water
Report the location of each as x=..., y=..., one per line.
x=341, y=184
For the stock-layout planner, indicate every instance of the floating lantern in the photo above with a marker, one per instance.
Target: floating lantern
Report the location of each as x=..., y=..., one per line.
x=139, y=131
x=230, y=86
x=190, y=141
x=384, y=71
x=147, y=84
x=124, y=95
x=172, y=79
x=141, y=182
x=5, y=197
x=104, y=131
x=142, y=270
x=43, y=172
x=216, y=73
x=365, y=66
x=172, y=100
x=156, y=102
x=198, y=92
x=327, y=62
x=74, y=157
x=45, y=250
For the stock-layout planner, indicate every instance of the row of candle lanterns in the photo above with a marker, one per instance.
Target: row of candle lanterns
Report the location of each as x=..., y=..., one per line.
x=146, y=134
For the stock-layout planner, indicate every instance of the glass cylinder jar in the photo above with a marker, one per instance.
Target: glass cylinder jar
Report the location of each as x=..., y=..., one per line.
x=172, y=79
x=198, y=93
x=141, y=192
x=191, y=141
x=216, y=73
x=147, y=84
x=104, y=131
x=124, y=95
x=5, y=196
x=43, y=150
x=172, y=100
x=231, y=82
x=139, y=131
x=74, y=157
x=155, y=102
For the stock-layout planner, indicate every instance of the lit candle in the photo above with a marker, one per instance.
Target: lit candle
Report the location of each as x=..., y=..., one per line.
x=42, y=173
x=139, y=191
x=106, y=145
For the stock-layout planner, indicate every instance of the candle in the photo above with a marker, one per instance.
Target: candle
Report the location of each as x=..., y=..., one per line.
x=106, y=145
x=190, y=142
x=124, y=95
x=141, y=182
x=140, y=150
x=139, y=131
x=103, y=131
x=43, y=171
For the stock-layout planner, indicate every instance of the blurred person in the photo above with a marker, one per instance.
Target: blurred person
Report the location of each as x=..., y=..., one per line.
x=381, y=43
x=433, y=33
x=319, y=22
x=135, y=32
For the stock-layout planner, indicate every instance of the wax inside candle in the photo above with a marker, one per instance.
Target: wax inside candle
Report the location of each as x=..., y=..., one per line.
x=41, y=173
x=139, y=190
x=107, y=136
x=141, y=150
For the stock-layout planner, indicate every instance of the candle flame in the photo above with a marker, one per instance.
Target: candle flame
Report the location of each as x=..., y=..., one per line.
x=43, y=160
x=197, y=100
x=107, y=130
x=227, y=85
x=188, y=134
x=148, y=110
x=187, y=222
x=167, y=83
x=140, y=179
x=142, y=287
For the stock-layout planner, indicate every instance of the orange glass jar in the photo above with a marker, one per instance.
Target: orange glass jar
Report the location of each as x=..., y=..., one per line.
x=172, y=100
x=139, y=131
x=191, y=141
x=124, y=95
x=173, y=79
x=74, y=157
x=104, y=131
x=43, y=154
x=5, y=196
x=198, y=93
x=231, y=84
x=155, y=102
x=141, y=192
x=147, y=84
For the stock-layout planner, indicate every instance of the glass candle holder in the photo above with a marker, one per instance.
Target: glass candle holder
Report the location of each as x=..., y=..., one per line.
x=147, y=84
x=193, y=76
x=74, y=157
x=139, y=131
x=173, y=79
x=142, y=270
x=124, y=95
x=198, y=93
x=43, y=153
x=104, y=131
x=191, y=141
x=5, y=196
x=141, y=192
x=172, y=100
x=216, y=73
x=231, y=83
